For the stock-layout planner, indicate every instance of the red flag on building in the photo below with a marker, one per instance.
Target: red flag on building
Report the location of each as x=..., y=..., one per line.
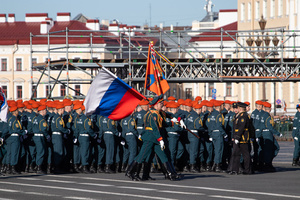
x=155, y=80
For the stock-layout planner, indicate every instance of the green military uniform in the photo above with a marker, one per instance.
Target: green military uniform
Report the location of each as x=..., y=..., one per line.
x=296, y=136
x=40, y=129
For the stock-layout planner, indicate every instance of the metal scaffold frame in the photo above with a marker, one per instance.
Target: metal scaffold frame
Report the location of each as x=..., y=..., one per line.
x=192, y=59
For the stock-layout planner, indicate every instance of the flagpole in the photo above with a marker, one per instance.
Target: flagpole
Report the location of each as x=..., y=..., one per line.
x=145, y=86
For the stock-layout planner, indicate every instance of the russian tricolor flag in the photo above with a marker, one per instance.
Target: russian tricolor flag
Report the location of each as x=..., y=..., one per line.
x=3, y=107
x=111, y=97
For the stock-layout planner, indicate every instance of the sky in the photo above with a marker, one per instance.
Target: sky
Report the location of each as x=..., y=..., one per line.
x=130, y=12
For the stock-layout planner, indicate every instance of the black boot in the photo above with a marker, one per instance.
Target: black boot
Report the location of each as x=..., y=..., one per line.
x=4, y=169
x=76, y=168
x=131, y=170
x=14, y=170
x=85, y=170
x=295, y=162
x=169, y=173
x=154, y=168
x=100, y=169
x=31, y=169
x=218, y=167
x=194, y=169
x=203, y=167
x=39, y=170
x=108, y=169
x=49, y=171
x=173, y=171
x=123, y=169
x=27, y=169
x=117, y=168
x=93, y=169
x=137, y=172
x=146, y=172
x=209, y=167
x=186, y=168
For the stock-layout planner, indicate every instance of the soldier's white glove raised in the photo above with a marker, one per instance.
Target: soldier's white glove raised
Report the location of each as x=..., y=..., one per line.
x=280, y=135
x=210, y=139
x=296, y=138
x=257, y=139
x=174, y=120
x=162, y=144
x=182, y=125
x=122, y=142
x=120, y=134
x=236, y=141
x=26, y=131
x=75, y=140
x=140, y=137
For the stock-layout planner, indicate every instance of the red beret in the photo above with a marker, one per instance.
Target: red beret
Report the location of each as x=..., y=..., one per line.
x=144, y=102
x=13, y=108
x=172, y=105
x=197, y=106
x=198, y=98
x=42, y=107
x=67, y=103
x=35, y=105
x=247, y=102
x=31, y=101
x=188, y=104
x=43, y=100
x=29, y=106
x=266, y=104
x=259, y=102
x=227, y=102
x=180, y=101
x=209, y=104
x=82, y=107
x=171, y=98
x=59, y=105
x=77, y=106
x=217, y=103
x=19, y=101
x=20, y=105
x=76, y=101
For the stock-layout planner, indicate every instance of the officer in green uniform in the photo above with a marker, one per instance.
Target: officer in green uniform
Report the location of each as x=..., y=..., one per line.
x=241, y=141
x=270, y=145
x=40, y=129
x=152, y=139
x=3, y=146
x=13, y=141
x=100, y=145
x=109, y=133
x=130, y=133
x=215, y=123
x=58, y=128
x=86, y=132
x=296, y=136
x=194, y=124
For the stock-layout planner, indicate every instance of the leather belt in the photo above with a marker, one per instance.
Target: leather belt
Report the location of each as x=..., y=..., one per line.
x=14, y=134
x=84, y=135
x=56, y=133
x=38, y=134
x=108, y=132
x=173, y=133
x=129, y=133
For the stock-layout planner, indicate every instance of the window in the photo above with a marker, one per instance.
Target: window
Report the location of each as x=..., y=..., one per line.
x=272, y=12
x=19, y=92
x=265, y=8
x=211, y=86
x=188, y=93
x=19, y=64
x=34, y=91
x=228, y=89
x=62, y=90
x=227, y=55
x=210, y=56
x=257, y=11
x=280, y=8
x=4, y=64
x=4, y=89
x=47, y=90
x=243, y=12
x=249, y=12
x=77, y=90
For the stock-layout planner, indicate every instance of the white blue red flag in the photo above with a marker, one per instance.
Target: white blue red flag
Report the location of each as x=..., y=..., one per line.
x=111, y=97
x=3, y=107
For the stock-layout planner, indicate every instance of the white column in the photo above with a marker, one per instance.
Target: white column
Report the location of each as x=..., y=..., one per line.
x=280, y=91
x=272, y=94
x=224, y=89
x=298, y=27
x=292, y=95
x=206, y=92
x=292, y=22
x=243, y=92
x=257, y=91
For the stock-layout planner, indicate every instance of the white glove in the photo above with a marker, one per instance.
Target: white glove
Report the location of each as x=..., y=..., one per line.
x=1, y=139
x=280, y=135
x=25, y=131
x=236, y=141
x=122, y=142
x=75, y=140
x=174, y=120
x=120, y=134
x=225, y=136
x=162, y=144
x=210, y=139
x=257, y=139
x=140, y=137
x=69, y=131
x=182, y=125
x=296, y=138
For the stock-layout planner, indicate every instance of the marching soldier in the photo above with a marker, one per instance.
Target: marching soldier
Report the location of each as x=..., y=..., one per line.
x=40, y=130
x=296, y=137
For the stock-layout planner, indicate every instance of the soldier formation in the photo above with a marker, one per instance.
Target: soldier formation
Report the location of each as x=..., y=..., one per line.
x=170, y=136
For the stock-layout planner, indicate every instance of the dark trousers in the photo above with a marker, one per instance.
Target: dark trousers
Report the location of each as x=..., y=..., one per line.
x=237, y=151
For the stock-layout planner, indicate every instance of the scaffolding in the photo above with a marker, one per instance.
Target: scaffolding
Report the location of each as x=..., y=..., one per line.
x=125, y=54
